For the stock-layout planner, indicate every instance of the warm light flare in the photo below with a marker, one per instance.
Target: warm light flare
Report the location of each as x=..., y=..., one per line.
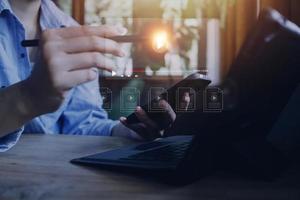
x=161, y=42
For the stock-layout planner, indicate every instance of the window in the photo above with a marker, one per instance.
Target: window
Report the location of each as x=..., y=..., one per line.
x=65, y=5
x=178, y=16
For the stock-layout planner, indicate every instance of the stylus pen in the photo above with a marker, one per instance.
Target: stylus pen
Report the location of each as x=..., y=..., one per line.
x=120, y=39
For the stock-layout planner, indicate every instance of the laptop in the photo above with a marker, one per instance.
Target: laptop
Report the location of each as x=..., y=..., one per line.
x=262, y=78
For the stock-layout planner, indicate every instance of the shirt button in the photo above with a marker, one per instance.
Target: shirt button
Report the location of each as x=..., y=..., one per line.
x=23, y=55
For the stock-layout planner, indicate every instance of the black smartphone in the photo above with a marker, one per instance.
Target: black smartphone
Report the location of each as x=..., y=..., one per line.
x=190, y=87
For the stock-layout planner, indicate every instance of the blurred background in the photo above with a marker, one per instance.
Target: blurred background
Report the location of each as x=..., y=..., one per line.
x=206, y=36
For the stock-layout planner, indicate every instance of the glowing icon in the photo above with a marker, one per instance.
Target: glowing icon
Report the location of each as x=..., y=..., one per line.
x=130, y=98
x=185, y=99
x=113, y=73
x=160, y=42
x=213, y=100
x=154, y=96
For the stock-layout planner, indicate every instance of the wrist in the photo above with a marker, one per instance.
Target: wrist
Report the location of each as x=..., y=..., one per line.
x=27, y=106
x=41, y=99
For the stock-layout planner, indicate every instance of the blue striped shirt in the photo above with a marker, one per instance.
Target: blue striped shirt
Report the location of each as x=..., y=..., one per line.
x=81, y=113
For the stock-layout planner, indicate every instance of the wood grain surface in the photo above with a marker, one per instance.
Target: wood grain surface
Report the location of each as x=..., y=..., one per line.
x=39, y=168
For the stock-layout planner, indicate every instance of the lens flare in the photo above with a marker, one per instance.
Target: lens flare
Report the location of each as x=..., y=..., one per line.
x=161, y=42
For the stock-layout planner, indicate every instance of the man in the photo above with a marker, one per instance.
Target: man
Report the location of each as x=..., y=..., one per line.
x=54, y=89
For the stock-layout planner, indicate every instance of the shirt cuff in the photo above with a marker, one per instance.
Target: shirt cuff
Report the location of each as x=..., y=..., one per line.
x=112, y=126
x=8, y=141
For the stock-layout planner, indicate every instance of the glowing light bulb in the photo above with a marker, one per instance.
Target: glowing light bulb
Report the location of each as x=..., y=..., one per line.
x=161, y=42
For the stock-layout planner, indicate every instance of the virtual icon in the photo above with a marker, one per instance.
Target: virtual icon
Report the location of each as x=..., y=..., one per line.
x=185, y=99
x=213, y=100
x=154, y=97
x=106, y=94
x=113, y=73
x=130, y=99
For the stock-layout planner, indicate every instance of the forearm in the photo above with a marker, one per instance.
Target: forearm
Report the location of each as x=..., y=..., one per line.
x=16, y=108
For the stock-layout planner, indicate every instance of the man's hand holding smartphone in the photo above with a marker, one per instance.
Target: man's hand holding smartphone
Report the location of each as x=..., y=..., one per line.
x=147, y=128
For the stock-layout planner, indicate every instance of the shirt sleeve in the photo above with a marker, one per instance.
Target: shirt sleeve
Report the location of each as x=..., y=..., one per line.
x=84, y=114
x=8, y=141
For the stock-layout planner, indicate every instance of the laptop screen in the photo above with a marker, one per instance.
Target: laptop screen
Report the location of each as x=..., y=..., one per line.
x=266, y=72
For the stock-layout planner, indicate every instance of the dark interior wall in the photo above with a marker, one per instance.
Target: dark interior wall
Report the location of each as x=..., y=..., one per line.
x=289, y=8
x=295, y=11
x=242, y=16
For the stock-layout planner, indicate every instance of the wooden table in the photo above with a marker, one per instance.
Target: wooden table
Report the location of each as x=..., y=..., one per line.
x=39, y=168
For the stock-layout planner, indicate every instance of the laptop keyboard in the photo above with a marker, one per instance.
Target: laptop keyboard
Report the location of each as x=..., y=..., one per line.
x=168, y=153
x=151, y=145
x=164, y=154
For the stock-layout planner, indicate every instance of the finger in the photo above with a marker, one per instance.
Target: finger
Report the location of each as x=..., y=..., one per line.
x=78, y=77
x=135, y=127
x=138, y=128
x=123, y=120
x=186, y=101
x=143, y=117
x=88, y=60
x=79, y=31
x=92, y=44
x=141, y=129
x=163, y=104
x=131, y=134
